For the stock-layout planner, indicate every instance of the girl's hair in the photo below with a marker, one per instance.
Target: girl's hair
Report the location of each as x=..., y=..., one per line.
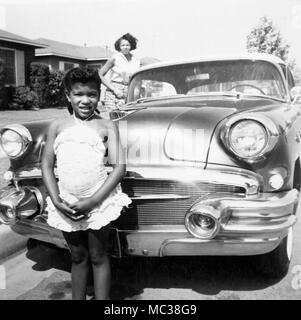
x=82, y=75
x=132, y=40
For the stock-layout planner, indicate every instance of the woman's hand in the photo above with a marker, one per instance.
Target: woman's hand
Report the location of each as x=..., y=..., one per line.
x=118, y=94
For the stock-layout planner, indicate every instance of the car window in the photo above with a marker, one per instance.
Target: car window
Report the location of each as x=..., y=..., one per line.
x=151, y=88
x=252, y=77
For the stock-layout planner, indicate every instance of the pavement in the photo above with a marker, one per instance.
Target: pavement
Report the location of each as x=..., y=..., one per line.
x=10, y=242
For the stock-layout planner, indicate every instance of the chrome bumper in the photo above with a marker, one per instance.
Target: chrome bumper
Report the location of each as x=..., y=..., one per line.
x=250, y=223
x=180, y=243
x=262, y=214
x=256, y=226
x=248, y=226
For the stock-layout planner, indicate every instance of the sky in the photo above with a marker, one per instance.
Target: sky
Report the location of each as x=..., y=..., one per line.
x=166, y=29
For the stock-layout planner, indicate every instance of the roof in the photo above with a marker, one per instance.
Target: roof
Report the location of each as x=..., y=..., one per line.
x=11, y=37
x=247, y=56
x=148, y=60
x=67, y=50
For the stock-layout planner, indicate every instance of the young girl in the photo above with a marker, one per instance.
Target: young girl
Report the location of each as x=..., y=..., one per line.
x=85, y=199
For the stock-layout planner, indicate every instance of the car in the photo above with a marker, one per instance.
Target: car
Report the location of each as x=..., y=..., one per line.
x=213, y=163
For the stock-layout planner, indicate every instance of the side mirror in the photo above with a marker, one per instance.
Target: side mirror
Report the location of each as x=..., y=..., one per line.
x=296, y=94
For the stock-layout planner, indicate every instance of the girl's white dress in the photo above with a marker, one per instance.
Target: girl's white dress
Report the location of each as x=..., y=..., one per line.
x=80, y=166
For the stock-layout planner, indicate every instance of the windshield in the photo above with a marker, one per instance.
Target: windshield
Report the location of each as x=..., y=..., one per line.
x=249, y=77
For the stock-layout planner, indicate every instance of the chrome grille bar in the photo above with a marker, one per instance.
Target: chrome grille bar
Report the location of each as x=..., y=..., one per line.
x=164, y=202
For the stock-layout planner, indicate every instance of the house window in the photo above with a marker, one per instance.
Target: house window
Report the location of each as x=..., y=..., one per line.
x=95, y=66
x=65, y=66
x=8, y=57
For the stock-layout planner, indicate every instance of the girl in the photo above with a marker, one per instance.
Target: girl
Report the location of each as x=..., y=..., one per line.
x=122, y=65
x=85, y=199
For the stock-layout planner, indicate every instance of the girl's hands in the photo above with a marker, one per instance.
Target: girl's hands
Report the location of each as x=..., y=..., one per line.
x=77, y=210
x=82, y=206
x=64, y=207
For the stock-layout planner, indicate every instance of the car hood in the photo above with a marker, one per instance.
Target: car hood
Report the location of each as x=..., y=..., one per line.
x=157, y=135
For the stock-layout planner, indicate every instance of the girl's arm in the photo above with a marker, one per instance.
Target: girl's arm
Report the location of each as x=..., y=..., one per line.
x=49, y=179
x=103, y=71
x=117, y=159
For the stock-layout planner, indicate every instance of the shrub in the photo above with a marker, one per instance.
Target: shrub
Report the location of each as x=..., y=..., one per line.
x=39, y=78
x=55, y=95
x=24, y=98
x=3, y=97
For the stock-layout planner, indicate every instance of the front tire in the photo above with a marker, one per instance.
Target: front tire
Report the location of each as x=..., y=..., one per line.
x=275, y=264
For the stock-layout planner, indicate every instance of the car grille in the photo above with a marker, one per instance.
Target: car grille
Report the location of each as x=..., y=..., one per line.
x=164, y=211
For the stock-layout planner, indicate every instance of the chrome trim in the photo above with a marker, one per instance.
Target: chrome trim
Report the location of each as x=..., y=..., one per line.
x=248, y=56
x=222, y=243
x=269, y=126
x=248, y=180
x=156, y=242
x=23, y=132
x=262, y=214
x=199, y=209
x=39, y=197
x=276, y=225
x=181, y=243
x=158, y=197
x=30, y=173
x=24, y=202
x=10, y=198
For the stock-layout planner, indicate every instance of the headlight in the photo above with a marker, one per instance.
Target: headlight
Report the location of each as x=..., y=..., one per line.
x=15, y=140
x=250, y=136
x=247, y=138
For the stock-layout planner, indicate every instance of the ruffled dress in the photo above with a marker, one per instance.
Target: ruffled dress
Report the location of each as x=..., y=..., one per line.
x=80, y=166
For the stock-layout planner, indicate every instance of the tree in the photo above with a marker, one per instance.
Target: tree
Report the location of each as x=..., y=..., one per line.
x=266, y=38
x=296, y=71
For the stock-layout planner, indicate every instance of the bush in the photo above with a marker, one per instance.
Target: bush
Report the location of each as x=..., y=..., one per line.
x=3, y=97
x=39, y=78
x=55, y=95
x=24, y=98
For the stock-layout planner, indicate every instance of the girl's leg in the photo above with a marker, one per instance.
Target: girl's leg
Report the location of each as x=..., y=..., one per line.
x=97, y=240
x=78, y=244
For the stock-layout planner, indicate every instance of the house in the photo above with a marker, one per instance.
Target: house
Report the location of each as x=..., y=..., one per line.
x=17, y=53
x=64, y=56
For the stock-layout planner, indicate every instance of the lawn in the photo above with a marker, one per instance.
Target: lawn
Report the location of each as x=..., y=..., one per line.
x=21, y=116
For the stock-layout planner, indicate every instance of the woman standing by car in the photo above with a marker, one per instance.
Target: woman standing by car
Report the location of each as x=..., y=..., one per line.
x=122, y=65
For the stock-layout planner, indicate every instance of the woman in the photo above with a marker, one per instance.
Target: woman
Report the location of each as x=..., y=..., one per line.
x=122, y=65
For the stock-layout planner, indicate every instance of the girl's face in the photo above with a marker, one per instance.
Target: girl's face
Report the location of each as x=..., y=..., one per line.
x=125, y=46
x=84, y=99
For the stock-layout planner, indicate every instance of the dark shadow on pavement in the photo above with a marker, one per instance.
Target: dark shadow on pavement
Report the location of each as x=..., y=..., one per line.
x=205, y=275
x=48, y=256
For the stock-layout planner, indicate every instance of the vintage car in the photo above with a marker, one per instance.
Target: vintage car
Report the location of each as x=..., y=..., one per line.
x=213, y=163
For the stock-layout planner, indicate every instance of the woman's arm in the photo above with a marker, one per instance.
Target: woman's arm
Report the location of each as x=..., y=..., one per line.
x=49, y=179
x=117, y=160
x=103, y=71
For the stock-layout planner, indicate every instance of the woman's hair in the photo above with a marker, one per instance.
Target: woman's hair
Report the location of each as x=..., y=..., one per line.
x=132, y=40
x=82, y=75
